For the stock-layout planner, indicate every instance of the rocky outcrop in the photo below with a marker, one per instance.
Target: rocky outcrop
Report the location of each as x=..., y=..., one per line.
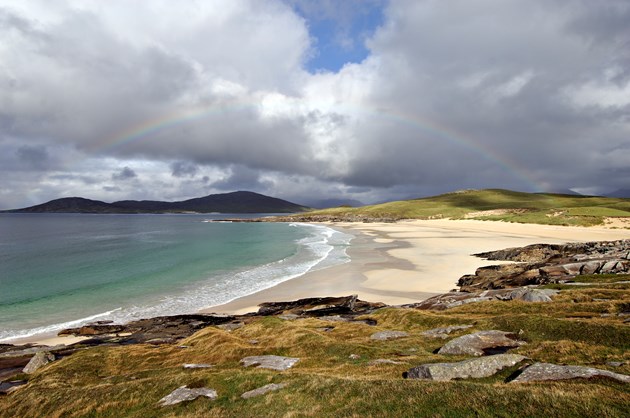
x=481, y=343
x=318, y=307
x=184, y=394
x=546, y=371
x=39, y=360
x=473, y=368
x=454, y=299
x=263, y=390
x=546, y=263
x=388, y=335
x=270, y=362
x=158, y=330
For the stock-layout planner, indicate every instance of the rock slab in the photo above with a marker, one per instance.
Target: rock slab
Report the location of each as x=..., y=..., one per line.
x=388, y=335
x=263, y=390
x=546, y=371
x=445, y=331
x=481, y=343
x=473, y=368
x=183, y=394
x=40, y=359
x=270, y=362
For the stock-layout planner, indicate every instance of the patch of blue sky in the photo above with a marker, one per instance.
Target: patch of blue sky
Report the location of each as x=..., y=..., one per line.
x=339, y=30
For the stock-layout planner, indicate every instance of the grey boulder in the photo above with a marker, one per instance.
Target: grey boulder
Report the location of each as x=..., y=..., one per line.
x=472, y=368
x=481, y=343
x=183, y=394
x=40, y=359
x=270, y=362
x=546, y=371
x=263, y=390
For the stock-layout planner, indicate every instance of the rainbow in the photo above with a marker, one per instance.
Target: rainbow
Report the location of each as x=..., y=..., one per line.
x=146, y=129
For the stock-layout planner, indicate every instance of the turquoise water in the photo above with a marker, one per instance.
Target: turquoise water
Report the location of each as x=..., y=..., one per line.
x=62, y=270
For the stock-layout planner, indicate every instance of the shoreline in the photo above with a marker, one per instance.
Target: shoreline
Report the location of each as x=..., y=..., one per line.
x=410, y=261
x=399, y=263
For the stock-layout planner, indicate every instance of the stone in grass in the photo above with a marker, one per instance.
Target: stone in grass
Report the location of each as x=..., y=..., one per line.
x=40, y=359
x=444, y=332
x=472, y=368
x=262, y=390
x=481, y=343
x=380, y=361
x=183, y=394
x=546, y=371
x=197, y=365
x=388, y=335
x=270, y=362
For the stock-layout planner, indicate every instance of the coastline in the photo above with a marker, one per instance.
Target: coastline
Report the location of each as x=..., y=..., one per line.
x=409, y=261
x=399, y=263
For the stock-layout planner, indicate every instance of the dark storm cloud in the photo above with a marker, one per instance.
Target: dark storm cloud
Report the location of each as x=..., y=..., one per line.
x=35, y=157
x=183, y=169
x=241, y=178
x=124, y=174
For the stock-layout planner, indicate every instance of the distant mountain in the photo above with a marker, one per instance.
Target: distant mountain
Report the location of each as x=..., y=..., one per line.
x=235, y=202
x=624, y=193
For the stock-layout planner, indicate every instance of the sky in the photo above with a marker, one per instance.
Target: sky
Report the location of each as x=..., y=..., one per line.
x=364, y=100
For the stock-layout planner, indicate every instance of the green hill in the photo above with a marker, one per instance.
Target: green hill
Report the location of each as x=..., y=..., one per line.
x=490, y=204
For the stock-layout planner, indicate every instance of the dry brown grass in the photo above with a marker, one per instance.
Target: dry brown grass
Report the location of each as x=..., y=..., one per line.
x=128, y=381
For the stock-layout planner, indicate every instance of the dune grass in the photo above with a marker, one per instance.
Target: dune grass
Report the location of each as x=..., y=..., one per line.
x=496, y=204
x=128, y=381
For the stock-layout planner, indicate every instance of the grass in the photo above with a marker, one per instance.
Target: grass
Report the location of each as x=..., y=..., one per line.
x=128, y=381
x=540, y=208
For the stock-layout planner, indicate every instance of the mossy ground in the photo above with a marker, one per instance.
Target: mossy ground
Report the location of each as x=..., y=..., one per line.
x=538, y=208
x=129, y=381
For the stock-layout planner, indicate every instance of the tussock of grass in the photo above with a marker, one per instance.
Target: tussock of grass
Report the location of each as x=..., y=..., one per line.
x=128, y=381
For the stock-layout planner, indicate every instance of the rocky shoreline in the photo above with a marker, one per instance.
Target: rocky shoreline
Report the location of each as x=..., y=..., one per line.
x=533, y=266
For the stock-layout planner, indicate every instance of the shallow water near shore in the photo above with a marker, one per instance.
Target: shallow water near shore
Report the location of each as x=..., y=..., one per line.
x=64, y=270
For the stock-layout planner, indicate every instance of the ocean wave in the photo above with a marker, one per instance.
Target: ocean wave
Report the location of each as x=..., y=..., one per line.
x=322, y=247
x=6, y=336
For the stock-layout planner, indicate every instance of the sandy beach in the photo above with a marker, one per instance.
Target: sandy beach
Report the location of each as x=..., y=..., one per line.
x=409, y=261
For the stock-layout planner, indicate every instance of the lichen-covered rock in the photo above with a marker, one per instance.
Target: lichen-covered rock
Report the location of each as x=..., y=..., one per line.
x=388, y=335
x=473, y=368
x=445, y=331
x=546, y=371
x=263, y=390
x=40, y=359
x=183, y=394
x=270, y=362
x=481, y=343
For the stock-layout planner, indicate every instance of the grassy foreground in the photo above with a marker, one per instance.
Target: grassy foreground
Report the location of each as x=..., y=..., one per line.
x=129, y=381
x=496, y=205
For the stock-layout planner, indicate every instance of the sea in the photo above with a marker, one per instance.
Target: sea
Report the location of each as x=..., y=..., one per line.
x=64, y=270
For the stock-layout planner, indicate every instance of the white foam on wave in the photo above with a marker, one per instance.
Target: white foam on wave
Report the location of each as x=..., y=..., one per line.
x=6, y=336
x=323, y=247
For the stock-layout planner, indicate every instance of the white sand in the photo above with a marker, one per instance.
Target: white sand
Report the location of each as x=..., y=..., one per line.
x=408, y=261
